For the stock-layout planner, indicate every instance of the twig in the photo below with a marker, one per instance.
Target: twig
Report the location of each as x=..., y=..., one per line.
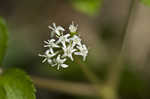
x=66, y=87
x=1, y=70
x=117, y=67
x=115, y=71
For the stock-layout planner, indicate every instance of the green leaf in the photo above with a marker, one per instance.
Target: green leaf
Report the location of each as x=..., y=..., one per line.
x=3, y=39
x=17, y=85
x=90, y=7
x=146, y=2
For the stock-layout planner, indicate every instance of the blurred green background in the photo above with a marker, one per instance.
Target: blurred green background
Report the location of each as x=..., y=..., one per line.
x=116, y=32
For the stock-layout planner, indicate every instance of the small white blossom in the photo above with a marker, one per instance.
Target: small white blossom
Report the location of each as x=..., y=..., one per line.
x=51, y=43
x=47, y=56
x=83, y=51
x=76, y=40
x=56, y=29
x=68, y=51
x=63, y=39
x=63, y=47
x=73, y=28
x=60, y=62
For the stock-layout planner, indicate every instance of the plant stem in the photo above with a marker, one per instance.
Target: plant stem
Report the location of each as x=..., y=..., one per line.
x=1, y=70
x=91, y=77
x=65, y=87
x=117, y=67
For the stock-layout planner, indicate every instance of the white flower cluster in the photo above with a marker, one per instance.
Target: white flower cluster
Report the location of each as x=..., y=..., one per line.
x=64, y=46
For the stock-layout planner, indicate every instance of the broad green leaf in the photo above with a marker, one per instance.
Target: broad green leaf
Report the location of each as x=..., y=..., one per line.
x=146, y=2
x=17, y=85
x=90, y=7
x=3, y=39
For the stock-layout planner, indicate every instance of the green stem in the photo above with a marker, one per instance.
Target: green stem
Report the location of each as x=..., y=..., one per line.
x=91, y=76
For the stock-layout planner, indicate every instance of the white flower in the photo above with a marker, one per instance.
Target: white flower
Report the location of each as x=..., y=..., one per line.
x=56, y=29
x=73, y=28
x=63, y=46
x=76, y=40
x=47, y=56
x=60, y=62
x=68, y=51
x=51, y=43
x=63, y=39
x=83, y=51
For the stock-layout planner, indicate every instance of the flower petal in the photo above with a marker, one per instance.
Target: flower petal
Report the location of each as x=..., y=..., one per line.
x=60, y=28
x=44, y=60
x=54, y=25
x=49, y=61
x=64, y=65
x=57, y=32
x=77, y=53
